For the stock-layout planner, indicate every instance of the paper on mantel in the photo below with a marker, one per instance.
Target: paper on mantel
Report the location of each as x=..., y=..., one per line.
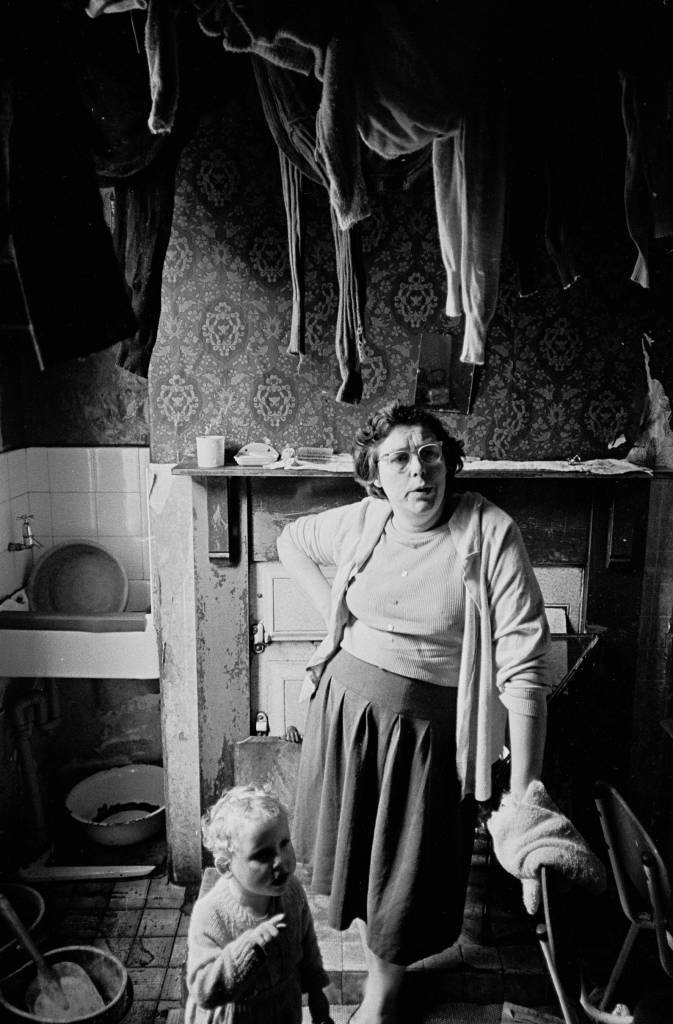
x=334, y=464
x=596, y=467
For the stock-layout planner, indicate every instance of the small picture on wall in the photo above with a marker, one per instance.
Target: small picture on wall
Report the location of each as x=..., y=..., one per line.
x=442, y=381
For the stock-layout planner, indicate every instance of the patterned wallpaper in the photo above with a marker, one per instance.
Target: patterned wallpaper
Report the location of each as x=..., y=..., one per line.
x=560, y=370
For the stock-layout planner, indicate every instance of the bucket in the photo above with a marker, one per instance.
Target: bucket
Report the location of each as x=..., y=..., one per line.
x=106, y=972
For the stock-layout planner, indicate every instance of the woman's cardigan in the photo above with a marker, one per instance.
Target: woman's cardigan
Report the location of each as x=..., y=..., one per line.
x=506, y=634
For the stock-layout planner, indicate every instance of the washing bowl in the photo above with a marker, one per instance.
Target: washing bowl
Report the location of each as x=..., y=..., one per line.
x=110, y=645
x=120, y=806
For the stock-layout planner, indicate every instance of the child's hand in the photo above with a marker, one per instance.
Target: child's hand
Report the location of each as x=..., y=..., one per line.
x=319, y=1007
x=268, y=931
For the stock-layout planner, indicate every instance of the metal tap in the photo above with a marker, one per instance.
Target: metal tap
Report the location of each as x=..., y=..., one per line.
x=28, y=540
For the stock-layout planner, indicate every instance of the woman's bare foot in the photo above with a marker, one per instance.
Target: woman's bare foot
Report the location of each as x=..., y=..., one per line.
x=376, y=1008
x=382, y=987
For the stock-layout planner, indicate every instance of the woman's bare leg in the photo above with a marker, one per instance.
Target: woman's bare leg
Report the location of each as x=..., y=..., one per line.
x=382, y=988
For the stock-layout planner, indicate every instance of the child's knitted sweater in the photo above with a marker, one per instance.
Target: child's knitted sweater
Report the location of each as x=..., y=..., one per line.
x=231, y=979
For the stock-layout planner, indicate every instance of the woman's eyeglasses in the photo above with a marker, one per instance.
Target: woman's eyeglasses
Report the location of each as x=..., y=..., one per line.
x=428, y=454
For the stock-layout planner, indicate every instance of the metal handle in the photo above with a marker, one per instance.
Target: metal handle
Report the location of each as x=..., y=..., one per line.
x=17, y=926
x=47, y=975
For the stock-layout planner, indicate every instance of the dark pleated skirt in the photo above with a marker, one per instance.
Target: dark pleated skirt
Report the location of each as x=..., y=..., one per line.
x=378, y=815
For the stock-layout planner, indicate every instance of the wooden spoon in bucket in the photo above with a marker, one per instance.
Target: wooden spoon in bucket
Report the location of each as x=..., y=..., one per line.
x=63, y=991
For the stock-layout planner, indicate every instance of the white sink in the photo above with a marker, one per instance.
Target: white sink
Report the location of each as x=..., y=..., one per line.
x=115, y=646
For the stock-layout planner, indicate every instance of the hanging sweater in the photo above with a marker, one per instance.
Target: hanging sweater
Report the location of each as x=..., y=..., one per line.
x=231, y=979
x=504, y=660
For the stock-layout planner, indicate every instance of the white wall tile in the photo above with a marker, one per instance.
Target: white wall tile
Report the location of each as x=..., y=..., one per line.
x=71, y=469
x=147, y=558
x=18, y=476
x=129, y=552
x=6, y=573
x=4, y=476
x=7, y=525
x=46, y=541
x=40, y=506
x=24, y=564
x=119, y=514
x=144, y=502
x=116, y=469
x=37, y=467
x=144, y=516
x=18, y=507
x=139, y=596
x=15, y=568
x=73, y=515
x=143, y=465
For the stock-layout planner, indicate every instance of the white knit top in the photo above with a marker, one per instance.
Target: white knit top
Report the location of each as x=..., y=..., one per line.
x=231, y=979
x=407, y=606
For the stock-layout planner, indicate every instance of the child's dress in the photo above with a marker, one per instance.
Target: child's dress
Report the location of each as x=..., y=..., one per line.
x=232, y=980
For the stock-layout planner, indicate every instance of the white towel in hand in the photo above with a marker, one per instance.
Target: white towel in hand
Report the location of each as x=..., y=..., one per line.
x=531, y=833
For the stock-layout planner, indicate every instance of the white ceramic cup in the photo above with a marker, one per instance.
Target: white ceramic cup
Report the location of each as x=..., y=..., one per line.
x=210, y=450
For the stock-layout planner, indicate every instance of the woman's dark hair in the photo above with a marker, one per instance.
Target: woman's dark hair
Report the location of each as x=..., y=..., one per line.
x=381, y=423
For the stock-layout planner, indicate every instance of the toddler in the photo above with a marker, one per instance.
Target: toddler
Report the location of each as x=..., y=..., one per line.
x=252, y=948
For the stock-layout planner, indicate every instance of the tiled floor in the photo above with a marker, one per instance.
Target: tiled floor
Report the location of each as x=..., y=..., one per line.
x=496, y=957
x=144, y=923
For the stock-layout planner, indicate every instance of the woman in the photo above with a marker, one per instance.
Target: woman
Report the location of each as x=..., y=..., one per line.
x=436, y=639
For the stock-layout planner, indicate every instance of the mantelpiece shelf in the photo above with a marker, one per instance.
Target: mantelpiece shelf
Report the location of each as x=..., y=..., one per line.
x=188, y=467
x=223, y=541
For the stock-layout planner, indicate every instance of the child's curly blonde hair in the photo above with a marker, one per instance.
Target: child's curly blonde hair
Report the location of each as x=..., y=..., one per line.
x=221, y=823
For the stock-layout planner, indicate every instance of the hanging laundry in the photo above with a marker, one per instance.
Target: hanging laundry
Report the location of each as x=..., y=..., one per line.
x=398, y=80
x=73, y=286
x=646, y=78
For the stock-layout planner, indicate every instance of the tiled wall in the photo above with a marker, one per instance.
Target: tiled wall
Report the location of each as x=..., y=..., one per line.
x=75, y=493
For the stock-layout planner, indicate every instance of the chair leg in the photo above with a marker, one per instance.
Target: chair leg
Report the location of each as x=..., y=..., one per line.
x=659, y=913
x=619, y=966
x=485, y=933
x=569, y=1015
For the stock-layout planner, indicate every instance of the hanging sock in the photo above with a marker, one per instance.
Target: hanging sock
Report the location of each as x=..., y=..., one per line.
x=292, y=196
x=469, y=170
x=350, y=338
